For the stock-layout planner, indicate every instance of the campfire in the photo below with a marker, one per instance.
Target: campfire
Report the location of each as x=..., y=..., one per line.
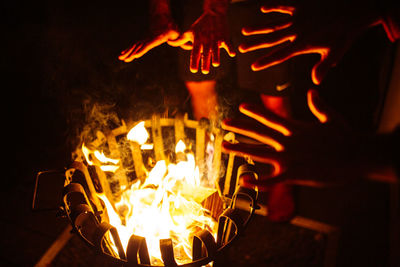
x=157, y=192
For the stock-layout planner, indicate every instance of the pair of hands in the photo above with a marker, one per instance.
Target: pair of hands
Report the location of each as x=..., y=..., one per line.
x=309, y=27
x=321, y=153
x=205, y=38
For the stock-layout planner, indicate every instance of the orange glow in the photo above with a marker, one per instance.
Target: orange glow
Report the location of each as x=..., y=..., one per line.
x=265, y=63
x=279, y=9
x=277, y=104
x=230, y=52
x=167, y=204
x=99, y=159
x=311, y=94
x=271, y=124
x=290, y=38
x=248, y=32
x=262, y=138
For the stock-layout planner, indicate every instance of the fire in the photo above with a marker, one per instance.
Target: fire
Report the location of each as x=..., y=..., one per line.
x=138, y=133
x=167, y=204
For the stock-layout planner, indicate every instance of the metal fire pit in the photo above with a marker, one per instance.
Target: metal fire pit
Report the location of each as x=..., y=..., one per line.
x=88, y=214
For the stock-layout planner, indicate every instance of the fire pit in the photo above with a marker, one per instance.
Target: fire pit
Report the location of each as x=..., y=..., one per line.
x=136, y=199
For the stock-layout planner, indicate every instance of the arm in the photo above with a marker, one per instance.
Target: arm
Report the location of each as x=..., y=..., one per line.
x=208, y=34
x=316, y=154
x=162, y=29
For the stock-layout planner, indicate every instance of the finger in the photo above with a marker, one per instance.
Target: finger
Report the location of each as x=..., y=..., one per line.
x=316, y=106
x=143, y=48
x=279, y=8
x=133, y=54
x=265, y=29
x=195, y=57
x=321, y=68
x=278, y=56
x=255, y=131
x=126, y=53
x=256, y=153
x=269, y=40
x=206, y=59
x=128, y=57
x=128, y=50
x=187, y=46
x=228, y=48
x=267, y=118
x=147, y=46
x=329, y=58
x=216, y=55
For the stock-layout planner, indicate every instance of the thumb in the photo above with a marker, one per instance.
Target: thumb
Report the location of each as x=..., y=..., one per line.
x=317, y=107
x=181, y=40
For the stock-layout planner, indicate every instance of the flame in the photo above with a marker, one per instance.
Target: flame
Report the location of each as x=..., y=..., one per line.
x=100, y=158
x=167, y=204
x=138, y=133
x=180, y=146
x=147, y=147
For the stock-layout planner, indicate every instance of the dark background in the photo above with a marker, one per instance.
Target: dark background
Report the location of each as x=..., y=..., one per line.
x=59, y=58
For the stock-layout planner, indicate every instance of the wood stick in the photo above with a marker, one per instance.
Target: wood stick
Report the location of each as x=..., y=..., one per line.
x=55, y=248
x=157, y=137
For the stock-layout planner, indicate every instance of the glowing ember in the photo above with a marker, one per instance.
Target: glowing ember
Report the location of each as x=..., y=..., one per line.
x=167, y=204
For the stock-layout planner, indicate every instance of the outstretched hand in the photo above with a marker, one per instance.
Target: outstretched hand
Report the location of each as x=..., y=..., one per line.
x=163, y=30
x=323, y=153
x=207, y=35
x=310, y=27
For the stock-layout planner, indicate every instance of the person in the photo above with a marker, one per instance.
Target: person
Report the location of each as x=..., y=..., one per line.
x=328, y=153
x=204, y=34
x=205, y=37
x=314, y=27
x=335, y=28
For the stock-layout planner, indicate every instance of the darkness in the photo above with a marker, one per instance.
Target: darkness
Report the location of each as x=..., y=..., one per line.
x=59, y=58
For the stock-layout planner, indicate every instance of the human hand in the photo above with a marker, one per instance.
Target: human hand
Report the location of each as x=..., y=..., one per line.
x=207, y=35
x=163, y=30
x=310, y=27
x=318, y=154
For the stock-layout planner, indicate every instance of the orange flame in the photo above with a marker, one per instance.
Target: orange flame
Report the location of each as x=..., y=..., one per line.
x=167, y=204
